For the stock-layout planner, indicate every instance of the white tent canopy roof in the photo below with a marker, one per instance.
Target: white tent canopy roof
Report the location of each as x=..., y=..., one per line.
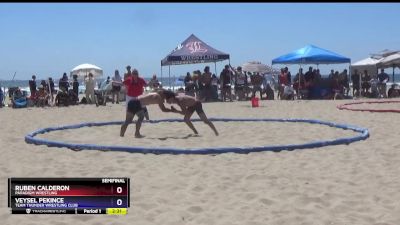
x=366, y=62
x=389, y=61
x=384, y=53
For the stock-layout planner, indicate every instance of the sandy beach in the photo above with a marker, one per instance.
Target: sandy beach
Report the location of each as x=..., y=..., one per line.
x=356, y=184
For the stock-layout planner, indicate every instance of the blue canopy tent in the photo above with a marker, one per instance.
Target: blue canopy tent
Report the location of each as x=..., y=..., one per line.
x=311, y=54
x=192, y=51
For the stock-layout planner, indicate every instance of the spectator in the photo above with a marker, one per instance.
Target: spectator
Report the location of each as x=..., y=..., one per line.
x=116, y=86
x=318, y=76
x=331, y=74
x=52, y=90
x=189, y=85
x=240, y=83
x=309, y=77
x=393, y=92
x=299, y=84
x=206, y=80
x=90, y=84
x=283, y=82
x=32, y=87
x=383, y=78
x=45, y=85
x=42, y=96
x=344, y=82
x=365, y=85
x=225, y=78
x=63, y=83
x=75, y=87
x=128, y=72
x=355, y=79
x=214, y=84
x=153, y=83
x=289, y=75
x=1, y=97
x=256, y=81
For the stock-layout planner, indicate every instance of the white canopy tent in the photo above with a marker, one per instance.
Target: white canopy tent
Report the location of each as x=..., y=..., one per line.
x=390, y=61
x=86, y=68
x=369, y=64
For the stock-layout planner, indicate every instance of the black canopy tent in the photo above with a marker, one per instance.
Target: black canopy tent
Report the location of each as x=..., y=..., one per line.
x=192, y=51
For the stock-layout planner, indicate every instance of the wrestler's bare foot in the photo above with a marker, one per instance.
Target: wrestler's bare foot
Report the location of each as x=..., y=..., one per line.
x=139, y=136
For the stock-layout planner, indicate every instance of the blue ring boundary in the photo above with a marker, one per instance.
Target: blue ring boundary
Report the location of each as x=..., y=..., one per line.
x=364, y=134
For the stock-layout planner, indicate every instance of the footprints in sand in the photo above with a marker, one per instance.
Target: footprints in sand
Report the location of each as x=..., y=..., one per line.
x=195, y=209
x=266, y=201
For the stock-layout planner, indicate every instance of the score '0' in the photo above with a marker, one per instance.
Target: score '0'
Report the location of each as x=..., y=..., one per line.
x=119, y=190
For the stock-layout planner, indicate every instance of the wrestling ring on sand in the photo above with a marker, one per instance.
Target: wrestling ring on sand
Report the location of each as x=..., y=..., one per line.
x=362, y=135
x=345, y=106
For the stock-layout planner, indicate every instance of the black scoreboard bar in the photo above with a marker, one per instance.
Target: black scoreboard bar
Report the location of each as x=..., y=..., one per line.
x=69, y=195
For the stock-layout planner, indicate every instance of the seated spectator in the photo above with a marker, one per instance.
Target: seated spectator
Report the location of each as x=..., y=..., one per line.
x=393, y=92
x=288, y=93
x=18, y=98
x=374, y=88
x=269, y=92
x=62, y=98
x=42, y=97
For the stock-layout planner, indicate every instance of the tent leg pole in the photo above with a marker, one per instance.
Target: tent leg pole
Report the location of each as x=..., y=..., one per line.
x=393, y=74
x=230, y=76
x=359, y=88
x=298, y=86
x=215, y=68
x=169, y=77
x=349, y=77
x=161, y=75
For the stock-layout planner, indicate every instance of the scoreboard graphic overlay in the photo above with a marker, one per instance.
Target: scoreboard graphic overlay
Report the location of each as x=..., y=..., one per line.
x=69, y=195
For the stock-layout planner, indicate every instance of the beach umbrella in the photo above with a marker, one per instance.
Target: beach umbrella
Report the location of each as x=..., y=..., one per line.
x=256, y=67
x=84, y=70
